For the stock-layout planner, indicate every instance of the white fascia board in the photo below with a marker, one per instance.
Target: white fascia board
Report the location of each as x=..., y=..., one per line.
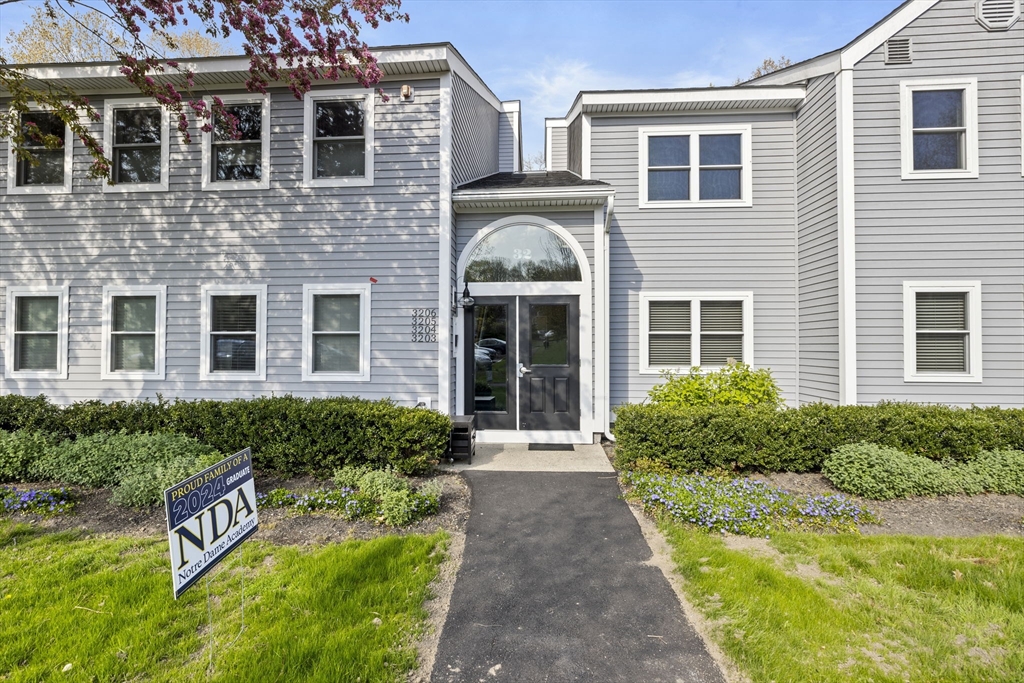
x=510, y=105
x=870, y=41
x=556, y=123
x=596, y=192
x=812, y=68
x=709, y=96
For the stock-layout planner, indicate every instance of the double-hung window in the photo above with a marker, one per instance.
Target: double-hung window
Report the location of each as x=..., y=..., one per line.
x=679, y=330
x=133, y=332
x=939, y=128
x=697, y=166
x=338, y=138
x=234, y=338
x=37, y=332
x=49, y=171
x=137, y=134
x=336, y=332
x=239, y=159
x=942, y=331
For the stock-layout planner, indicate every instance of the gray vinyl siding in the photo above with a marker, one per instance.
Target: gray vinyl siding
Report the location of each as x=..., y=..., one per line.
x=695, y=249
x=559, y=149
x=579, y=224
x=474, y=134
x=969, y=229
x=574, y=147
x=508, y=133
x=283, y=237
x=818, y=244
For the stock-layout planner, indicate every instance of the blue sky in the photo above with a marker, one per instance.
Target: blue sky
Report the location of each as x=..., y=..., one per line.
x=544, y=51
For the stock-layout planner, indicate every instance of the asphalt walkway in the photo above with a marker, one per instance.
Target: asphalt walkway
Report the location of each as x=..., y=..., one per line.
x=554, y=587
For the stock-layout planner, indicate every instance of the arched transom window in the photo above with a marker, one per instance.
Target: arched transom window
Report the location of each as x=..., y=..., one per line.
x=523, y=253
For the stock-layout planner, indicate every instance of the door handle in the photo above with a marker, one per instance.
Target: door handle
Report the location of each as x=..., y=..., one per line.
x=523, y=370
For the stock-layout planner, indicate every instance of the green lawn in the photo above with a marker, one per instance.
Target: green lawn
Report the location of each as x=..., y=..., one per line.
x=105, y=606
x=846, y=608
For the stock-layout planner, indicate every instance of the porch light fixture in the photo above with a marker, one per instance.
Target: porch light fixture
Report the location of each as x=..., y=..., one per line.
x=466, y=301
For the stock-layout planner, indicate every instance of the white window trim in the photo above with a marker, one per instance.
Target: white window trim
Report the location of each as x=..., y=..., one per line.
x=264, y=182
x=695, y=131
x=13, y=293
x=907, y=89
x=165, y=143
x=694, y=298
x=12, y=165
x=308, y=292
x=309, y=129
x=208, y=291
x=973, y=290
x=109, y=292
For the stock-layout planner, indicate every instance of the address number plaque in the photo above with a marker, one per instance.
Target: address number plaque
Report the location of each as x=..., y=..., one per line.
x=424, y=325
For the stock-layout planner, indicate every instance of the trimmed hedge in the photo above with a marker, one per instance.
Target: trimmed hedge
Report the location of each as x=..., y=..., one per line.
x=799, y=439
x=287, y=434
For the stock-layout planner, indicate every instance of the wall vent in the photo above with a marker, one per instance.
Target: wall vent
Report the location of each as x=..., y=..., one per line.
x=897, y=51
x=998, y=15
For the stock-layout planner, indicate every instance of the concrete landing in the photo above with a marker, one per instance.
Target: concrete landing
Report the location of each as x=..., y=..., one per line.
x=519, y=458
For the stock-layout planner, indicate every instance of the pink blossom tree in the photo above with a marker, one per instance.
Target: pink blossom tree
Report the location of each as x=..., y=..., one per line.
x=295, y=42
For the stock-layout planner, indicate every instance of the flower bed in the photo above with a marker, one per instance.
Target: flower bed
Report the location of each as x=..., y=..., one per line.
x=741, y=506
x=45, y=502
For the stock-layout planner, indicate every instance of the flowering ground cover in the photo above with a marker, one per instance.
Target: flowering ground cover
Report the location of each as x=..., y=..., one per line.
x=79, y=608
x=741, y=506
x=841, y=607
x=45, y=502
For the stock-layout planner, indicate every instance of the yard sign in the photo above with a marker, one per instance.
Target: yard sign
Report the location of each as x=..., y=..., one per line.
x=209, y=515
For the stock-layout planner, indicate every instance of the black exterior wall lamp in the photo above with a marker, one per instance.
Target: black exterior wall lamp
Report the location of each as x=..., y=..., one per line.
x=465, y=301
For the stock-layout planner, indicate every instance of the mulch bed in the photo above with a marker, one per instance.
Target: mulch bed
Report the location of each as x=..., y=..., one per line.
x=936, y=516
x=94, y=513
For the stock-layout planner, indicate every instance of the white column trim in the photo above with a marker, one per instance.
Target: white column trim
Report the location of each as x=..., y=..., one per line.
x=847, y=240
x=444, y=252
x=585, y=144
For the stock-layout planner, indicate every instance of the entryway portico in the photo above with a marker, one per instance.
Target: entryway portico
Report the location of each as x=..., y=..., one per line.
x=530, y=347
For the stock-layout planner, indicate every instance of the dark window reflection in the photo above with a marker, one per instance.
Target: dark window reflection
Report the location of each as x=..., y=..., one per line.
x=939, y=132
x=490, y=352
x=339, y=146
x=137, y=148
x=233, y=327
x=523, y=253
x=238, y=156
x=49, y=169
x=721, y=163
x=549, y=334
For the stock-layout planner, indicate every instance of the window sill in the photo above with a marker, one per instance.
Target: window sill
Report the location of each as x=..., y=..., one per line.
x=959, y=174
x=37, y=374
x=706, y=204
x=130, y=376
x=961, y=378
x=135, y=187
x=336, y=376
x=38, y=189
x=337, y=182
x=232, y=377
x=237, y=185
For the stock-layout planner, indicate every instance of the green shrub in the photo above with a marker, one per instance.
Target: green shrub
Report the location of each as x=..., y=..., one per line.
x=105, y=459
x=764, y=439
x=20, y=453
x=882, y=473
x=145, y=484
x=404, y=506
x=389, y=503
x=349, y=475
x=733, y=385
x=377, y=483
x=287, y=434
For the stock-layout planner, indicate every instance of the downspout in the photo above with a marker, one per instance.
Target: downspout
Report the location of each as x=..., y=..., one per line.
x=606, y=389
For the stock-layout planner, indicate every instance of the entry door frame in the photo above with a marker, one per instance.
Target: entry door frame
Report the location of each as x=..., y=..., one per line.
x=588, y=422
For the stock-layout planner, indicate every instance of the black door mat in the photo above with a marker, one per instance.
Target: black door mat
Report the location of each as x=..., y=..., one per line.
x=550, y=447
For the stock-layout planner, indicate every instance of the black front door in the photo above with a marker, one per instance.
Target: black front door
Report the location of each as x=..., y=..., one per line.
x=522, y=362
x=549, y=362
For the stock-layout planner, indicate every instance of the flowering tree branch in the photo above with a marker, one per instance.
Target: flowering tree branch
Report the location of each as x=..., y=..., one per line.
x=294, y=42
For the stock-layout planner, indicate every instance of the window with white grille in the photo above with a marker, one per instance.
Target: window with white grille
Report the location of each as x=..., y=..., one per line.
x=702, y=165
x=336, y=332
x=942, y=328
x=234, y=332
x=939, y=128
x=37, y=332
x=998, y=15
x=133, y=332
x=679, y=330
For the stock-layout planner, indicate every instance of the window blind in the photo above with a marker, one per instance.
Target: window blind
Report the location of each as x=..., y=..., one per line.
x=942, y=334
x=669, y=343
x=336, y=333
x=133, y=333
x=36, y=332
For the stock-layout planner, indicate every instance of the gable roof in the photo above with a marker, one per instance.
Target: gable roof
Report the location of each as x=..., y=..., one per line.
x=853, y=52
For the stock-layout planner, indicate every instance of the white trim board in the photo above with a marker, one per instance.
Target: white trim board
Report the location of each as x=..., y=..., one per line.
x=847, y=221
x=444, y=252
